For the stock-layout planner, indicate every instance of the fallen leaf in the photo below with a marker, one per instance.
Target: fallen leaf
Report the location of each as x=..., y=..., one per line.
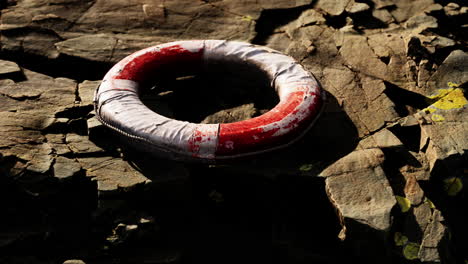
x=453, y=186
x=247, y=18
x=404, y=203
x=400, y=239
x=411, y=250
x=306, y=167
x=429, y=202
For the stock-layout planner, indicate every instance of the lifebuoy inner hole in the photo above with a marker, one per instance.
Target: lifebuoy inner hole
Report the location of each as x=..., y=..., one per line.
x=213, y=87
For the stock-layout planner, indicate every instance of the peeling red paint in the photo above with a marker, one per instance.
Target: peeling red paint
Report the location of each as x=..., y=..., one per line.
x=201, y=143
x=299, y=106
x=251, y=135
x=140, y=68
x=194, y=142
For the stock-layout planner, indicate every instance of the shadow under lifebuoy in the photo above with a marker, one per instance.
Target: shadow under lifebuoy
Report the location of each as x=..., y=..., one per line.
x=217, y=86
x=267, y=208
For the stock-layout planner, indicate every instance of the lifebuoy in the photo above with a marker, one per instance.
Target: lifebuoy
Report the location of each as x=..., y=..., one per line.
x=118, y=106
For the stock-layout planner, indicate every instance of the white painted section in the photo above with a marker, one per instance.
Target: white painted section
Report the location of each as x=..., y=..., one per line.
x=206, y=146
x=122, y=109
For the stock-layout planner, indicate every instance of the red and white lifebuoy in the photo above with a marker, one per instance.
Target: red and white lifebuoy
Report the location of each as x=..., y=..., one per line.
x=118, y=106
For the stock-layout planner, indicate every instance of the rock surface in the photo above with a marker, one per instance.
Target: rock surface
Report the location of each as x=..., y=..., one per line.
x=388, y=153
x=359, y=189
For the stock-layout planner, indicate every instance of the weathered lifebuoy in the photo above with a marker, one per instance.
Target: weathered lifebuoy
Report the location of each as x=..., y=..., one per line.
x=119, y=107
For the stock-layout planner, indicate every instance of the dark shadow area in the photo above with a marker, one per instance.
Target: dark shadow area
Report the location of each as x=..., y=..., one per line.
x=404, y=223
x=442, y=53
x=366, y=243
x=256, y=220
x=336, y=22
x=63, y=66
x=385, y=59
x=394, y=160
x=262, y=209
x=366, y=20
x=74, y=112
x=410, y=136
x=451, y=26
x=406, y=102
x=271, y=19
x=15, y=76
x=218, y=86
x=43, y=219
x=416, y=50
x=220, y=216
x=453, y=208
x=361, y=20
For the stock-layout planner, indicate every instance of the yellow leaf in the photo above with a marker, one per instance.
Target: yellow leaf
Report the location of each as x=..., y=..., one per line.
x=426, y=200
x=306, y=167
x=247, y=18
x=216, y=196
x=400, y=239
x=452, y=84
x=453, y=186
x=404, y=203
x=411, y=250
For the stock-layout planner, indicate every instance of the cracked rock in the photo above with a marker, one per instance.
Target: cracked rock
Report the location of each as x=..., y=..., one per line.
x=354, y=56
x=407, y=9
x=453, y=69
x=357, y=7
x=112, y=174
x=453, y=9
x=434, y=239
x=96, y=130
x=61, y=31
x=332, y=7
x=358, y=188
x=74, y=261
x=310, y=17
x=421, y=23
x=81, y=144
x=65, y=167
x=374, y=108
x=40, y=160
x=383, y=15
x=8, y=67
x=86, y=91
x=49, y=94
x=98, y=47
x=235, y=114
x=57, y=142
x=381, y=139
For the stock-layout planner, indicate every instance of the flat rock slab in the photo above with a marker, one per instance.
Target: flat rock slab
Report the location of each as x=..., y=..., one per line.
x=34, y=132
x=359, y=189
x=8, y=67
x=143, y=23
